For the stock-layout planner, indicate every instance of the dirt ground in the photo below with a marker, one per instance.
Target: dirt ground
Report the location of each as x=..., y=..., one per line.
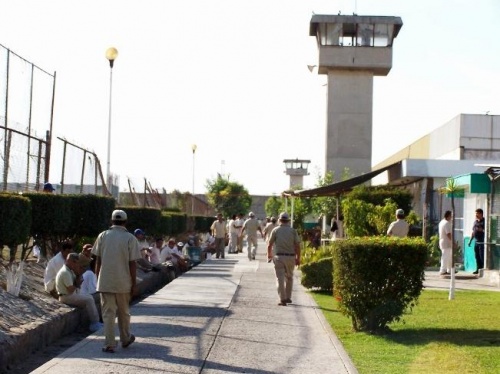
x=38, y=358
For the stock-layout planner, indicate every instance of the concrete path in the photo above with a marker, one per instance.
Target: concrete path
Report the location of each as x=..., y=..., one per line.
x=220, y=317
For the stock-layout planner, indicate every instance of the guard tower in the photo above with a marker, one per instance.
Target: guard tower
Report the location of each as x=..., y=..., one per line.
x=296, y=169
x=352, y=49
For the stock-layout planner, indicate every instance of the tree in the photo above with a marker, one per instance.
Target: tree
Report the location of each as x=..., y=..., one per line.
x=227, y=197
x=327, y=205
x=451, y=189
x=274, y=206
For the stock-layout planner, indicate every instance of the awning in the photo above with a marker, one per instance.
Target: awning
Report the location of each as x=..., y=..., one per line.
x=340, y=187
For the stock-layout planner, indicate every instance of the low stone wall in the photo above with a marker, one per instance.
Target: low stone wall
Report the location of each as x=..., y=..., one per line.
x=35, y=319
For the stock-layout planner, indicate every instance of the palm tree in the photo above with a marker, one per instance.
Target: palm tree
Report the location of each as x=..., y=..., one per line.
x=451, y=189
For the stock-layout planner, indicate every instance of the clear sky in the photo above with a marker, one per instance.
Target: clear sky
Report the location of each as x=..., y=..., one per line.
x=231, y=77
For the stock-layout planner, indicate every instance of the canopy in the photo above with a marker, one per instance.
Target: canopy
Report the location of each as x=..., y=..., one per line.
x=339, y=187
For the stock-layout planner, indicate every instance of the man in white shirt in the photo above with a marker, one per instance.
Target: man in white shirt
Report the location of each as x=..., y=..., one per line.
x=233, y=235
x=54, y=265
x=67, y=283
x=445, y=244
x=400, y=227
x=238, y=224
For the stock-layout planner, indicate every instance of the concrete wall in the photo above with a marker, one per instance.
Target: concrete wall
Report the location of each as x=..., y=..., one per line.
x=349, y=122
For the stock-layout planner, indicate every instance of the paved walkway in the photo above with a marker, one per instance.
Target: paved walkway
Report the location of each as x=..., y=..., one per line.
x=220, y=317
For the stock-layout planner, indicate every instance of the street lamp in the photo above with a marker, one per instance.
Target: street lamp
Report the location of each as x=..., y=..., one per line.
x=111, y=55
x=193, y=148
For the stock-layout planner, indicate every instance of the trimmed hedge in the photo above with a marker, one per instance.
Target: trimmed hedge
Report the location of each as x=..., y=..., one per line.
x=318, y=274
x=15, y=219
x=51, y=214
x=147, y=219
x=377, y=279
x=90, y=214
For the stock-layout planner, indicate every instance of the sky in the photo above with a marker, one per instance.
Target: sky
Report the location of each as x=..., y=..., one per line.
x=231, y=77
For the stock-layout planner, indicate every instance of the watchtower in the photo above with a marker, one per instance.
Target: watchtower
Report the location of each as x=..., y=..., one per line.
x=296, y=169
x=352, y=50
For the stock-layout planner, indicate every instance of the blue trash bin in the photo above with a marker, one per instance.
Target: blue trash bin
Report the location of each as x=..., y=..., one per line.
x=194, y=254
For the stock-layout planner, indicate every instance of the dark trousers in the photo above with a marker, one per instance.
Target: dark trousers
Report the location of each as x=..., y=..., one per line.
x=220, y=245
x=479, y=253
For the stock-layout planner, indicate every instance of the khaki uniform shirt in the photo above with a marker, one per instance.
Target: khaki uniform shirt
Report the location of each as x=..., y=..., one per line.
x=116, y=247
x=284, y=238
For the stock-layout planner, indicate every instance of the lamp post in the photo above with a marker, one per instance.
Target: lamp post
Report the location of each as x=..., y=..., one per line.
x=193, y=148
x=111, y=55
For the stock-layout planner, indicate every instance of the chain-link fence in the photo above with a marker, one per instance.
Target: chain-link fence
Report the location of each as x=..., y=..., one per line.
x=26, y=104
x=81, y=171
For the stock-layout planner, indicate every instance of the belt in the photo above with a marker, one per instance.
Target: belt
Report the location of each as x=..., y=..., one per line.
x=285, y=254
x=61, y=294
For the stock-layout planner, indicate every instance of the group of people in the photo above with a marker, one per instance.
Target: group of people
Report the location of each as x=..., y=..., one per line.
x=70, y=278
x=283, y=245
x=234, y=230
x=107, y=269
x=400, y=228
x=157, y=254
x=446, y=243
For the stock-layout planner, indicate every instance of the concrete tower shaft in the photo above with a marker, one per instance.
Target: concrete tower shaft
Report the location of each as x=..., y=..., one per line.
x=352, y=50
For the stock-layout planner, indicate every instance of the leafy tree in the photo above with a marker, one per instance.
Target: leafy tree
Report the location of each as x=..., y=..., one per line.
x=274, y=205
x=451, y=189
x=227, y=197
x=327, y=205
x=370, y=210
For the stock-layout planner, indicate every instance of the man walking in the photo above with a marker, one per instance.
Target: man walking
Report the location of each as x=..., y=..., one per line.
x=117, y=251
x=251, y=225
x=219, y=232
x=445, y=244
x=284, y=250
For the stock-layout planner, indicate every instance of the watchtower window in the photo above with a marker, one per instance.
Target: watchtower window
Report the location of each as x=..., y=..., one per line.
x=330, y=33
x=365, y=35
x=383, y=35
x=353, y=34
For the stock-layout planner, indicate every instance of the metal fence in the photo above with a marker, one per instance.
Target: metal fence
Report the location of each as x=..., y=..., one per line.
x=81, y=171
x=26, y=106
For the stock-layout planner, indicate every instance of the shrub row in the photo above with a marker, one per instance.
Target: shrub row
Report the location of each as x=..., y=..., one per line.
x=49, y=218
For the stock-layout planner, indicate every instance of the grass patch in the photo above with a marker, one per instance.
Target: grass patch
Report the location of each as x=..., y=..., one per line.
x=438, y=336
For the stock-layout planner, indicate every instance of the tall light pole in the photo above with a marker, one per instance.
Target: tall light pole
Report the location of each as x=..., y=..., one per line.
x=111, y=55
x=193, y=148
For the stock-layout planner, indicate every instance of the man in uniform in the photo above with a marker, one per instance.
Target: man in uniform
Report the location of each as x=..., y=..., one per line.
x=218, y=229
x=117, y=251
x=284, y=250
x=251, y=225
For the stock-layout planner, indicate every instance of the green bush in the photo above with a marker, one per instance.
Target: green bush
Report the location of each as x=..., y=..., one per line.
x=15, y=218
x=51, y=215
x=202, y=224
x=147, y=219
x=433, y=251
x=376, y=279
x=90, y=214
x=318, y=274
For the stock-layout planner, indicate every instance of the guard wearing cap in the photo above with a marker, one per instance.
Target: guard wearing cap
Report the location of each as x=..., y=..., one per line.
x=251, y=225
x=284, y=250
x=117, y=251
x=400, y=227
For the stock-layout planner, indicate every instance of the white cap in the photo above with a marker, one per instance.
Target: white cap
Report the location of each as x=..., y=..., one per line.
x=118, y=215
